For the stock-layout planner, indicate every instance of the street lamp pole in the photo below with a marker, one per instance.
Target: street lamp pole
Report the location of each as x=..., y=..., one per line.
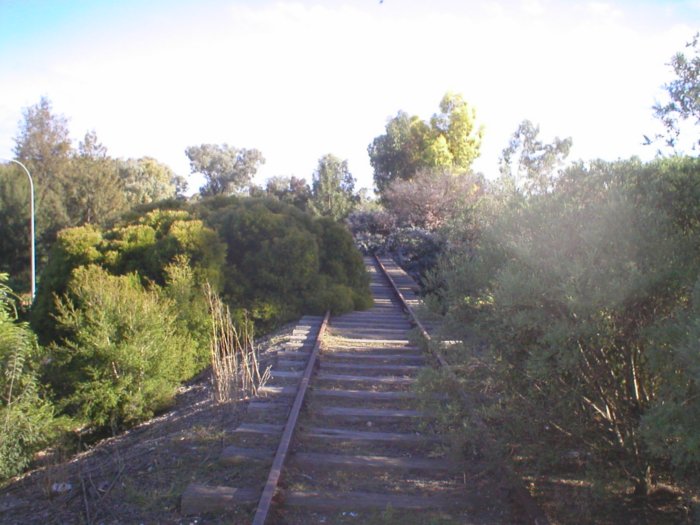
x=31, y=225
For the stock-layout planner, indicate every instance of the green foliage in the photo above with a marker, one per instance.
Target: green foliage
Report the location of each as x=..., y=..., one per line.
x=333, y=188
x=450, y=140
x=26, y=418
x=277, y=257
x=581, y=296
x=91, y=168
x=15, y=226
x=227, y=170
x=683, y=95
x=185, y=291
x=43, y=144
x=528, y=164
x=342, y=264
x=74, y=247
x=672, y=425
x=146, y=180
x=292, y=190
x=73, y=186
x=148, y=245
x=124, y=352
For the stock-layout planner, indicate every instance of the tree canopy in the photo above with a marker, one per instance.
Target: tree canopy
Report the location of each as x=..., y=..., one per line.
x=227, y=169
x=332, y=188
x=451, y=139
x=73, y=186
x=528, y=163
x=683, y=102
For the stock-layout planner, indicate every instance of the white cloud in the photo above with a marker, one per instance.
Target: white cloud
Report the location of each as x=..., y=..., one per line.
x=604, y=9
x=299, y=80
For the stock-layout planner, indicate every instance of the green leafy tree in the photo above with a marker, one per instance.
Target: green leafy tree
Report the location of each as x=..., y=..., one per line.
x=94, y=194
x=399, y=152
x=529, y=164
x=683, y=94
x=280, y=261
x=333, y=188
x=146, y=180
x=227, y=169
x=455, y=138
x=671, y=427
x=43, y=145
x=14, y=226
x=293, y=190
x=451, y=140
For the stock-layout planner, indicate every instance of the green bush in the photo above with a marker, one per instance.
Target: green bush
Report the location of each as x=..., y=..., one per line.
x=26, y=418
x=182, y=288
x=124, y=314
x=671, y=427
x=148, y=246
x=282, y=262
x=123, y=354
x=74, y=247
x=582, y=297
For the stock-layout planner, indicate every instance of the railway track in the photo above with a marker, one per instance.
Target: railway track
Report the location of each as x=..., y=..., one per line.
x=339, y=435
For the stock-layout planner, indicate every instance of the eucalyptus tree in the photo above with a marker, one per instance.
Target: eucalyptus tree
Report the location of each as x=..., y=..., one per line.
x=146, y=180
x=227, y=169
x=94, y=193
x=333, y=188
x=451, y=140
x=529, y=164
x=683, y=91
x=43, y=144
x=293, y=190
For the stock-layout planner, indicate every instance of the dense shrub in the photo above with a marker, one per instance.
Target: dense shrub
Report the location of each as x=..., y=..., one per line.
x=26, y=418
x=123, y=352
x=281, y=261
x=123, y=310
x=584, y=297
x=342, y=264
x=147, y=245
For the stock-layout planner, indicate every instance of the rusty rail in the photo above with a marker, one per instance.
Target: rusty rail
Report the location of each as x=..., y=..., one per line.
x=520, y=495
x=273, y=478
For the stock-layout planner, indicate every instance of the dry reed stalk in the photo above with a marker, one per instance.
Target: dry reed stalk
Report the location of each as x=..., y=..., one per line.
x=234, y=359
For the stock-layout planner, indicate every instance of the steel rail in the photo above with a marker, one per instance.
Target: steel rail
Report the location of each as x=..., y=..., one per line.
x=273, y=478
x=520, y=494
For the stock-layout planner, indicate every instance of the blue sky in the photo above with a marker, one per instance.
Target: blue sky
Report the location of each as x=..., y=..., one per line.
x=301, y=79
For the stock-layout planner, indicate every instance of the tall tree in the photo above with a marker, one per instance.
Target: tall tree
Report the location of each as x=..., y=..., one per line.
x=455, y=132
x=683, y=94
x=147, y=180
x=94, y=194
x=227, y=169
x=529, y=164
x=14, y=226
x=450, y=140
x=293, y=190
x=44, y=146
x=333, y=188
x=398, y=154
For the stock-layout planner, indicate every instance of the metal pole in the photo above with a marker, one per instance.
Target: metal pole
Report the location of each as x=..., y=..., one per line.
x=31, y=225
